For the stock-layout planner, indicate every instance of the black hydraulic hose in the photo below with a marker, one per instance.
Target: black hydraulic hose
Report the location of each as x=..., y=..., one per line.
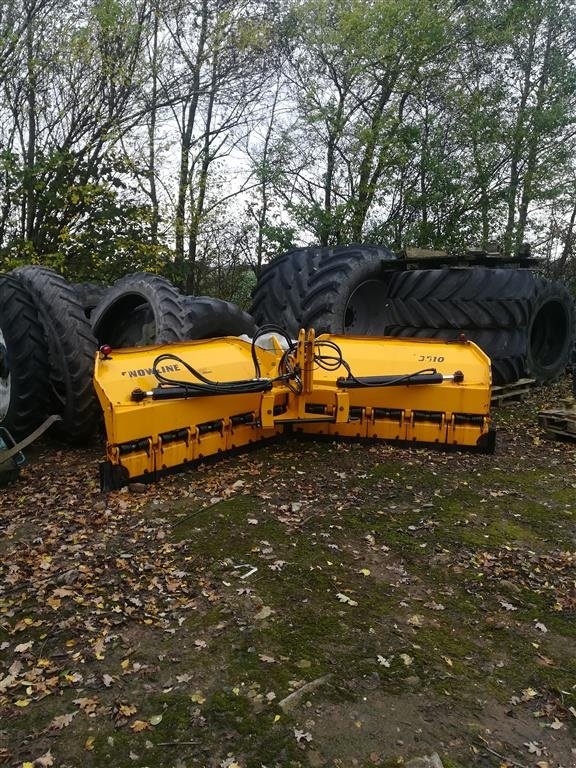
x=178, y=392
x=206, y=386
x=425, y=376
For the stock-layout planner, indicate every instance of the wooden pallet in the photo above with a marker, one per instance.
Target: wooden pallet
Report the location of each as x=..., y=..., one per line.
x=560, y=422
x=517, y=390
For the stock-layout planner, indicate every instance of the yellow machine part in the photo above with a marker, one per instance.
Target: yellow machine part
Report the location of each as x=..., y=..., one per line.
x=153, y=426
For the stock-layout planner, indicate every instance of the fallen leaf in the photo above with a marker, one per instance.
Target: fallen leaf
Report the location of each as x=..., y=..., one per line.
x=89, y=743
x=155, y=719
x=63, y=592
x=87, y=704
x=230, y=762
x=407, y=660
x=23, y=647
x=107, y=680
x=533, y=748
x=435, y=606
x=264, y=613
x=44, y=761
x=22, y=702
x=198, y=697
x=62, y=721
x=345, y=599
x=416, y=621
x=302, y=736
x=127, y=710
x=140, y=725
x=383, y=661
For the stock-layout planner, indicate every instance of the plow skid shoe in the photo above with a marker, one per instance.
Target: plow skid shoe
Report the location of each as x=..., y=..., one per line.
x=167, y=406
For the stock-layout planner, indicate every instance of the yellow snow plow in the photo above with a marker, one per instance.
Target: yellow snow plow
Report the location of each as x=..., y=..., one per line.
x=167, y=406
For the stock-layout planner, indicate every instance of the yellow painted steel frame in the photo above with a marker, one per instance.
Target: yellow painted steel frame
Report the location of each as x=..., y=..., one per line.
x=151, y=435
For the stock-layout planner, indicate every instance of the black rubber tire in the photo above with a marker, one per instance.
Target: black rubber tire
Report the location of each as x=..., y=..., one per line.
x=71, y=350
x=335, y=290
x=347, y=292
x=505, y=348
x=461, y=313
x=89, y=295
x=126, y=314
x=208, y=318
x=551, y=332
x=464, y=284
x=24, y=377
x=282, y=287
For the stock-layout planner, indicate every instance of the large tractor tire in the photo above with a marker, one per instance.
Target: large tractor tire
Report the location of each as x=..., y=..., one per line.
x=551, y=331
x=333, y=290
x=140, y=309
x=283, y=286
x=71, y=350
x=461, y=313
x=474, y=298
x=24, y=376
x=346, y=294
x=505, y=348
x=208, y=318
x=89, y=295
x=463, y=284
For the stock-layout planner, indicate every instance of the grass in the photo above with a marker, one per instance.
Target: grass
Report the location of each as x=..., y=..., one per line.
x=437, y=581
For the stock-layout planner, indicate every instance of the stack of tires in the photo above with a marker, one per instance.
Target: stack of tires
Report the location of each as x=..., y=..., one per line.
x=50, y=331
x=524, y=323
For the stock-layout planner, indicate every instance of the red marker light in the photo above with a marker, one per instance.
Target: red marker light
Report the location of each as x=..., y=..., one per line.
x=106, y=350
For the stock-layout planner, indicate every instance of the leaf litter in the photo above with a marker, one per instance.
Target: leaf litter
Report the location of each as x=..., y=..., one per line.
x=84, y=573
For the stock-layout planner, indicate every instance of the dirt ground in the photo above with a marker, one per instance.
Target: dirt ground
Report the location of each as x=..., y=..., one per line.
x=303, y=604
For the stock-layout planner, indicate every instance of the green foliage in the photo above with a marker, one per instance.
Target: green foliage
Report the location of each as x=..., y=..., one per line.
x=89, y=231
x=397, y=121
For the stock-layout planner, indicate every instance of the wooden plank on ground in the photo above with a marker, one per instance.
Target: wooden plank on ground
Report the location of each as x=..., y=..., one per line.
x=560, y=423
x=517, y=390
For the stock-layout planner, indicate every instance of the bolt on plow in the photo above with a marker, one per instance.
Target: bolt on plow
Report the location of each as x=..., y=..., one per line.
x=168, y=406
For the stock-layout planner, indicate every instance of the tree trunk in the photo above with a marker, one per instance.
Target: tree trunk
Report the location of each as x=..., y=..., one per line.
x=370, y=170
x=154, y=224
x=263, y=214
x=189, y=119
x=197, y=209
x=334, y=133
x=518, y=146
x=424, y=157
x=30, y=195
x=568, y=246
x=533, y=142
